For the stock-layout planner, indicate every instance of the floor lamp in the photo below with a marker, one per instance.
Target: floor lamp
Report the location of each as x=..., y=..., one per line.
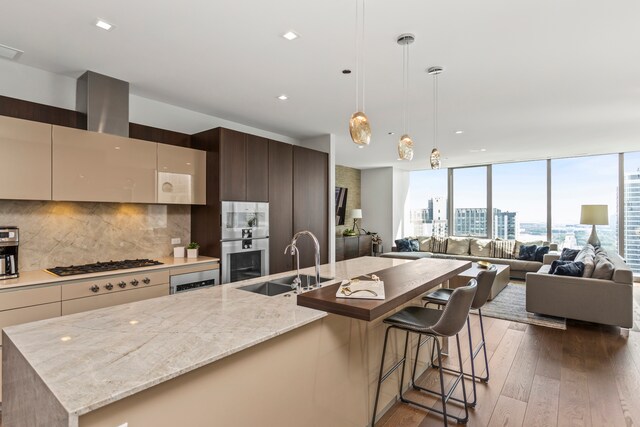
x=594, y=215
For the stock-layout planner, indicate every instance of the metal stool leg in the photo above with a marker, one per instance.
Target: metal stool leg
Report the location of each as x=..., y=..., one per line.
x=473, y=367
x=484, y=348
x=384, y=351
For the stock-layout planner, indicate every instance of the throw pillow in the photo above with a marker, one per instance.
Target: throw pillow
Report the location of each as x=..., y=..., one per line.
x=604, y=269
x=481, y=247
x=439, y=245
x=569, y=254
x=518, y=243
x=573, y=268
x=458, y=245
x=541, y=251
x=589, y=262
x=503, y=249
x=425, y=243
x=415, y=245
x=403, y=245
x=527, y=252
x=555, y=264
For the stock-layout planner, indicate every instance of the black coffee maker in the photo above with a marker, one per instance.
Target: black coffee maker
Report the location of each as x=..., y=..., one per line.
x=8, y=252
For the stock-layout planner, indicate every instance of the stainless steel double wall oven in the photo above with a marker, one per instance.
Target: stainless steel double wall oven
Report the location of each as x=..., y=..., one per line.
x=244, y=240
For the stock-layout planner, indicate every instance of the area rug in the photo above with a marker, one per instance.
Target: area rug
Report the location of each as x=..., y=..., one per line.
x=510, y=305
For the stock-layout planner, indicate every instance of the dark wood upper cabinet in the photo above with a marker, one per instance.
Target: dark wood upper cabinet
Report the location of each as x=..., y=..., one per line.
x=244, y=167
x=233, y=175
x=280, y=206
x=310, y=201
x=257, y=169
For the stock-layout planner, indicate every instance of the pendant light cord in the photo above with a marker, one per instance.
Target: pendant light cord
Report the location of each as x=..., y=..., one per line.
x=364, y=80
x=357, y=43
x=360, y=55
x=435, y=110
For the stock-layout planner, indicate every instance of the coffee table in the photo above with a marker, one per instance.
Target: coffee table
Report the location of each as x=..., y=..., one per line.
x=500, y=282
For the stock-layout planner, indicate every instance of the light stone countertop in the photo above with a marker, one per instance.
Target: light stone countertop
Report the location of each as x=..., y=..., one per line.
x=42, y=277
x=94, y=358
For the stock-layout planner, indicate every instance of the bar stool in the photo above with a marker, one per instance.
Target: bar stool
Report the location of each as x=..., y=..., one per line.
x=442, y=296
x=434, y=324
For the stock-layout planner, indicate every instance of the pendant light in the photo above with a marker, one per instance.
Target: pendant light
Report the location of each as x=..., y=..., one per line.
x=405, y=145
x=359, y=126
x=434, y=158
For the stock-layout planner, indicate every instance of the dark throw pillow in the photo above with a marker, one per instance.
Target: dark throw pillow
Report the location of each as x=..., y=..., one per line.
x=527, y=252
x=541, y=251
x=403, y=245
x=569, y=254
x=415, y=245
x=574, y=269
x=555, y=265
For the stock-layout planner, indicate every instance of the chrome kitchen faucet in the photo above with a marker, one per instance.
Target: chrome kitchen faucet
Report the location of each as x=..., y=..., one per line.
x=295, y=251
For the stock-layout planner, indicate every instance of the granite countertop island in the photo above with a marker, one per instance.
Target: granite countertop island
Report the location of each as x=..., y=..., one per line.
x=88, y=360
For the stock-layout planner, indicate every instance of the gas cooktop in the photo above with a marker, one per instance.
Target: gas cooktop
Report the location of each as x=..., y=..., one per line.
x=100, y=267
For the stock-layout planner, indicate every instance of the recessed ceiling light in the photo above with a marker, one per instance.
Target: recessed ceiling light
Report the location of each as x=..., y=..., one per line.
x=459, y=132
x=391, y=133
x=10, y=52
x=65, y=339
x=101, y=23
x=283, y=97
x=346, y=71
x=483, y=149
x=290, y=35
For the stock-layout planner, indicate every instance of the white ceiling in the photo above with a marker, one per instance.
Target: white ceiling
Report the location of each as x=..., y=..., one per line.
x=524, y=79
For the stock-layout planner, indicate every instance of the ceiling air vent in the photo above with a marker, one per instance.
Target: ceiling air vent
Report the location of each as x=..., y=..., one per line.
x=10, y=52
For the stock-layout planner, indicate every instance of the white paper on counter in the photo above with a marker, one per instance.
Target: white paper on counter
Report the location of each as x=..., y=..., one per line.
x=375, y=286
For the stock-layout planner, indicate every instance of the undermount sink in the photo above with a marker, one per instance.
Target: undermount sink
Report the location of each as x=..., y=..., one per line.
x=306, y=280
x=267, y=288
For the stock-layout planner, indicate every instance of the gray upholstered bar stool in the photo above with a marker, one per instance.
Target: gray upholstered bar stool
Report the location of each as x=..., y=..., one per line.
x=442, y=296
x=433, y=324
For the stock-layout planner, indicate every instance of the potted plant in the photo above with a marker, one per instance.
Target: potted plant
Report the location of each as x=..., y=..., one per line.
x=192, y=250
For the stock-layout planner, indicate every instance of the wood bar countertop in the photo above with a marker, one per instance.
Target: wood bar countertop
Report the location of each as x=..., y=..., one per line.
x=401, y=284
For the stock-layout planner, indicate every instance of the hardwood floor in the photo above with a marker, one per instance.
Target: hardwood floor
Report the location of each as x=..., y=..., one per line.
x=588, y=375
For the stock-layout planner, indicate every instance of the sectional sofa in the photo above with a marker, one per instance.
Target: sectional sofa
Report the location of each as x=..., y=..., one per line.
x=602, y=294
x=496, y=251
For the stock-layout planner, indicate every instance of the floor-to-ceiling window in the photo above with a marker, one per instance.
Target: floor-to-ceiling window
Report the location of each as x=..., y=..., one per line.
x=632, y=210
x=578, y=181
x=470, y=201
x=519, y=194
x=428, y=203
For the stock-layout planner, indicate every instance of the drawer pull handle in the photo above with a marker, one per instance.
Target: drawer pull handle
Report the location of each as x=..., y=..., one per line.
x=108, y=286
x=95, y=288
x=146, y=280
x=122, y=284
x=134, y=282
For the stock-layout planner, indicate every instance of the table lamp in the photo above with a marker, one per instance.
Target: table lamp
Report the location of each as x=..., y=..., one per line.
x=594, y=215
x=356, y=214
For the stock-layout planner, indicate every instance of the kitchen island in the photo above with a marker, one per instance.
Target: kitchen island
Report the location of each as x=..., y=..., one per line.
x=217, y=356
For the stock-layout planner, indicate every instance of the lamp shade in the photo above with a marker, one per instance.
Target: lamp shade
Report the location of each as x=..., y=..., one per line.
x=594, y=215
x=356, y=213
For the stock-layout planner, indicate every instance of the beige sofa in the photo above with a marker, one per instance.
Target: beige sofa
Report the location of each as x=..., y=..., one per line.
x=608, y=302
x=473, y=249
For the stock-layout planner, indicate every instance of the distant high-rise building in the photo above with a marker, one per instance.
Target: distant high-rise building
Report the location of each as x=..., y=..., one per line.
x=431, y=221
x=505, y=224
x=632, y=220
x=470, y=222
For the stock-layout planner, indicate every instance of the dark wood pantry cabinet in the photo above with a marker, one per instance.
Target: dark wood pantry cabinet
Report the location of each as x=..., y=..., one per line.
x=280, y=205
x=293, y=179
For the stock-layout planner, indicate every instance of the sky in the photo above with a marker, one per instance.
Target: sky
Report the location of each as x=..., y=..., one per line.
x=521, y=187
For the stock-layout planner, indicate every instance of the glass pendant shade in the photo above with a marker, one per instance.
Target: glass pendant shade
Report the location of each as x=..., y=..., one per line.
x=360, y=129
x=434, y=159
x=405, y=147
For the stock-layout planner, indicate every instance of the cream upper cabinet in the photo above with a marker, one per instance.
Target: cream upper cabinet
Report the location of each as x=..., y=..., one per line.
x=98, y=167
x=181, y=175
x=26, y=159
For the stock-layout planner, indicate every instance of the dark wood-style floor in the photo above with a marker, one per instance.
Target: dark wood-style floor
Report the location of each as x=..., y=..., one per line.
x=587, y=375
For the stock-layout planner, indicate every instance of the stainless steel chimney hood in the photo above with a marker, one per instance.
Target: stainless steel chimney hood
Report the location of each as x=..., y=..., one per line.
x=105, y=101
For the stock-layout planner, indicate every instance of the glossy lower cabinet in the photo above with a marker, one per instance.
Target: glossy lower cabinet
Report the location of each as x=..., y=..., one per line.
x=25, y=173
x=97, y=167
x=181, y=175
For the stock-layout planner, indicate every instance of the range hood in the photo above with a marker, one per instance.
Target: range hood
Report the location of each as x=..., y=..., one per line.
x=105, y=101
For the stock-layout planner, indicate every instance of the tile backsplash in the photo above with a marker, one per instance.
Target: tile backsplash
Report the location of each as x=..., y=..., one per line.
x=65, y=233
